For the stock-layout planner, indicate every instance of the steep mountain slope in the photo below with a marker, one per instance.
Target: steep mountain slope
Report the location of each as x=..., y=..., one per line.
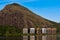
x=15, y=17
x=19, y=16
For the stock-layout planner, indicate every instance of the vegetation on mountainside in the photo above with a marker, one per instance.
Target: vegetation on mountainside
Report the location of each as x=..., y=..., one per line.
x=9, y=31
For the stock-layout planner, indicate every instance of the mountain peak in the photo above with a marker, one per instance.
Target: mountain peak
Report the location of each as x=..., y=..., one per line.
x=16, y=4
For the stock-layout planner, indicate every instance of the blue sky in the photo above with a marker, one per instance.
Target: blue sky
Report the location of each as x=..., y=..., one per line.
x=49, y=9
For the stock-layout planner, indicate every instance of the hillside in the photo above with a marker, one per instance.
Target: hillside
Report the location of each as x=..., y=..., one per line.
x=21, y=17
x=16, y=13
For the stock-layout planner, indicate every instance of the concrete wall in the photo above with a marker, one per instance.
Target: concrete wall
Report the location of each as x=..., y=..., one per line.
x=25, y=37
x=39, y=30
x=48, y=31
x=32, y=37
x=54, y=30
x=43, y=30
x=32, y=30
x=40, y=34
x=44, y=37
x=38, y=37
x=25, y=30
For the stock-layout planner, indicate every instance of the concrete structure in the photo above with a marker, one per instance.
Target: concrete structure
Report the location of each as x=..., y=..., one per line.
x=38, y=37
x=25, y=37
x=44, y=37
x=32, y=37
x=25, y=30
x=40, y=34
x=43, y=30
x=54, y=37
x=39, y=30
x=49, y=31
x=32, y=30
x=54, y=30
x=49, y=37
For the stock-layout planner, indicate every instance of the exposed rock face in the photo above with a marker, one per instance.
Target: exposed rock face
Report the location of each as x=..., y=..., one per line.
x=19, y=16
